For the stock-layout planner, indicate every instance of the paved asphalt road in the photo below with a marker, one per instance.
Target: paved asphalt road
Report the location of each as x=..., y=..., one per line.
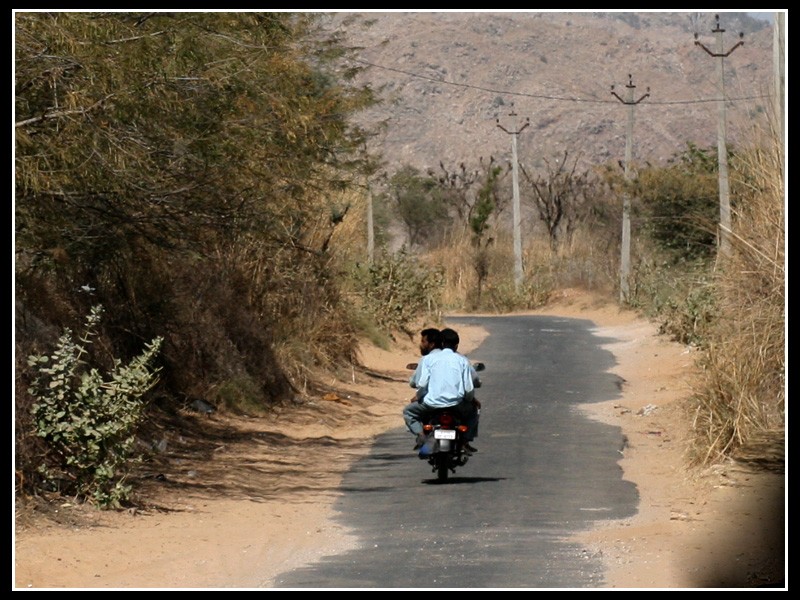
x=503, y=520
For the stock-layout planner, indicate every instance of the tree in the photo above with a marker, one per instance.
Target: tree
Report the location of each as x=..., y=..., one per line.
x=678, y=205
x=487, y=201
x=169, y=128
x=418, y=203
x=560, y=197
x=185, y=169
x=457, y=185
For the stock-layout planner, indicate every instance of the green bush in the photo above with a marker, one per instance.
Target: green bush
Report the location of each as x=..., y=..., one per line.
x=88, y=422
x=678, y=206
x=687, y=318
x=680, y=296
x=418, y=203
x=398, y=290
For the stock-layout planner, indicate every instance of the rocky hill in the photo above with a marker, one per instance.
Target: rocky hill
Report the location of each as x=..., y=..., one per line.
x=446, y=78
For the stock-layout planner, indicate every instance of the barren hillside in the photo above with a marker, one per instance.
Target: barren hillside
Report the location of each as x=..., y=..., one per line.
x=446, y=78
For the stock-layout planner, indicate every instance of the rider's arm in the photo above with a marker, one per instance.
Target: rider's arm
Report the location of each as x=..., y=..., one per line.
x=468, y=377
x=476, y=380
x=423, y=379
x=414, y=381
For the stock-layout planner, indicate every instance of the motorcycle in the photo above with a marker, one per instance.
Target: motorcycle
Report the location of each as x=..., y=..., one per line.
x=445, y=444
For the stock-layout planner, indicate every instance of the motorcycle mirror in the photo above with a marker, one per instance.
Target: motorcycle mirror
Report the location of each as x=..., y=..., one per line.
x=411, y=366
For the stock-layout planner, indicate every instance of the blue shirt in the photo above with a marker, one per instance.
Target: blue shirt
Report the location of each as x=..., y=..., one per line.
x=414, y=381
x=447, y=376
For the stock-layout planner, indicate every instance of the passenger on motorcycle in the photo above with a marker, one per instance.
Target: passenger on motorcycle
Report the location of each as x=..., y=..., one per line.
x=430, y=343
x=446, y=379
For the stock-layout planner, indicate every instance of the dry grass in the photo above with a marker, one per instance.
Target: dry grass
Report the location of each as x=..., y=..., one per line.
x=460, y=277
x=739, y=408
x=583, y=262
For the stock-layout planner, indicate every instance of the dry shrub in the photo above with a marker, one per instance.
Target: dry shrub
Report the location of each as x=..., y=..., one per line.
x=454, y=259
x=589, y=260
x=349, y=238
x=385, y=295
x=740, y=401
x=460, y=261
x=585, y=262
x=299, y=293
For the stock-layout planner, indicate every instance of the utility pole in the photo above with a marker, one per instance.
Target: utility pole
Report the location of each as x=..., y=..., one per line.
x=625, y=259
x=779, y=59
x=370, y=207
x=370, y=229
x=722, y=150
x=515, y=181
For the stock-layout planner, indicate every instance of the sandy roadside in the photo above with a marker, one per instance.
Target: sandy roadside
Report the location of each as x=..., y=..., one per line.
x=256, y=508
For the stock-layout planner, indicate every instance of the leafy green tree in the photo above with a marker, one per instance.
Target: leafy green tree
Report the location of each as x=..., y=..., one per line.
x=456, y=187
x=184, y=170
x=461, y=190
x=418, y=203
x=487, y=200
x=678, y=204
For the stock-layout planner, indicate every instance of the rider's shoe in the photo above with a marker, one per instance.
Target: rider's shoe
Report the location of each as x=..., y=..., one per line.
x=470, y=448
x=421, y=439
x=427, y=448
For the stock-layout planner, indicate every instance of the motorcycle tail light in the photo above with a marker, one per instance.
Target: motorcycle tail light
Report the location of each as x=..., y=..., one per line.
x=462, y=428
x=446, y=420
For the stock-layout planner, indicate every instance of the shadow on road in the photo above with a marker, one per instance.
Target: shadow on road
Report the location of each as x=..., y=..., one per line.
x=454, y=480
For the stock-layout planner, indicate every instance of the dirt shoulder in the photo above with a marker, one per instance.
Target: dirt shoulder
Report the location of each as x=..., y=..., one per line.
x=257, y=499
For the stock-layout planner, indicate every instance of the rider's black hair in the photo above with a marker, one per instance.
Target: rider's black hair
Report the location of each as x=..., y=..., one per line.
x=450, y=339
x=433, y=335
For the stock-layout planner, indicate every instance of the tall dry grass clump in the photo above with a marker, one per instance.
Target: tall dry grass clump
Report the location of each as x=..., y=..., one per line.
x=320, y=334
x=481, y=278
x=739, y=406
x=454, y=258
x=585, y=261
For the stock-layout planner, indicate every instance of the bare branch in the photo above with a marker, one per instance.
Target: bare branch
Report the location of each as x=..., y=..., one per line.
x=56, y=114
x=133, y=39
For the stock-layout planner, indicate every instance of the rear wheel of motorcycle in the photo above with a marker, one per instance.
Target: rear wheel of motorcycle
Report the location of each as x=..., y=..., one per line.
x=442, y=468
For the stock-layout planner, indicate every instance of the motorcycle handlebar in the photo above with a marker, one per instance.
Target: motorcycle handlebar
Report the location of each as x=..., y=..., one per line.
x=478, y=366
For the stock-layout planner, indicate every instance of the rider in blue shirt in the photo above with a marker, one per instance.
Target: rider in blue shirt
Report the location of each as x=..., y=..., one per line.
x=446, y=379
x=430, y=344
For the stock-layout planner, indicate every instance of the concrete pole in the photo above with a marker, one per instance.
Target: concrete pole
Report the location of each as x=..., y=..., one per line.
x=370, y=230
x=625, y=258
x=517, y=215
x=625, y=262
x=779, y=59
x=722, y=149
x=722, y=154
x=517, y=218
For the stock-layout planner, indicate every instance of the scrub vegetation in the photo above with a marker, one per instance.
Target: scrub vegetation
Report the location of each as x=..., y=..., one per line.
x=200, y=177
